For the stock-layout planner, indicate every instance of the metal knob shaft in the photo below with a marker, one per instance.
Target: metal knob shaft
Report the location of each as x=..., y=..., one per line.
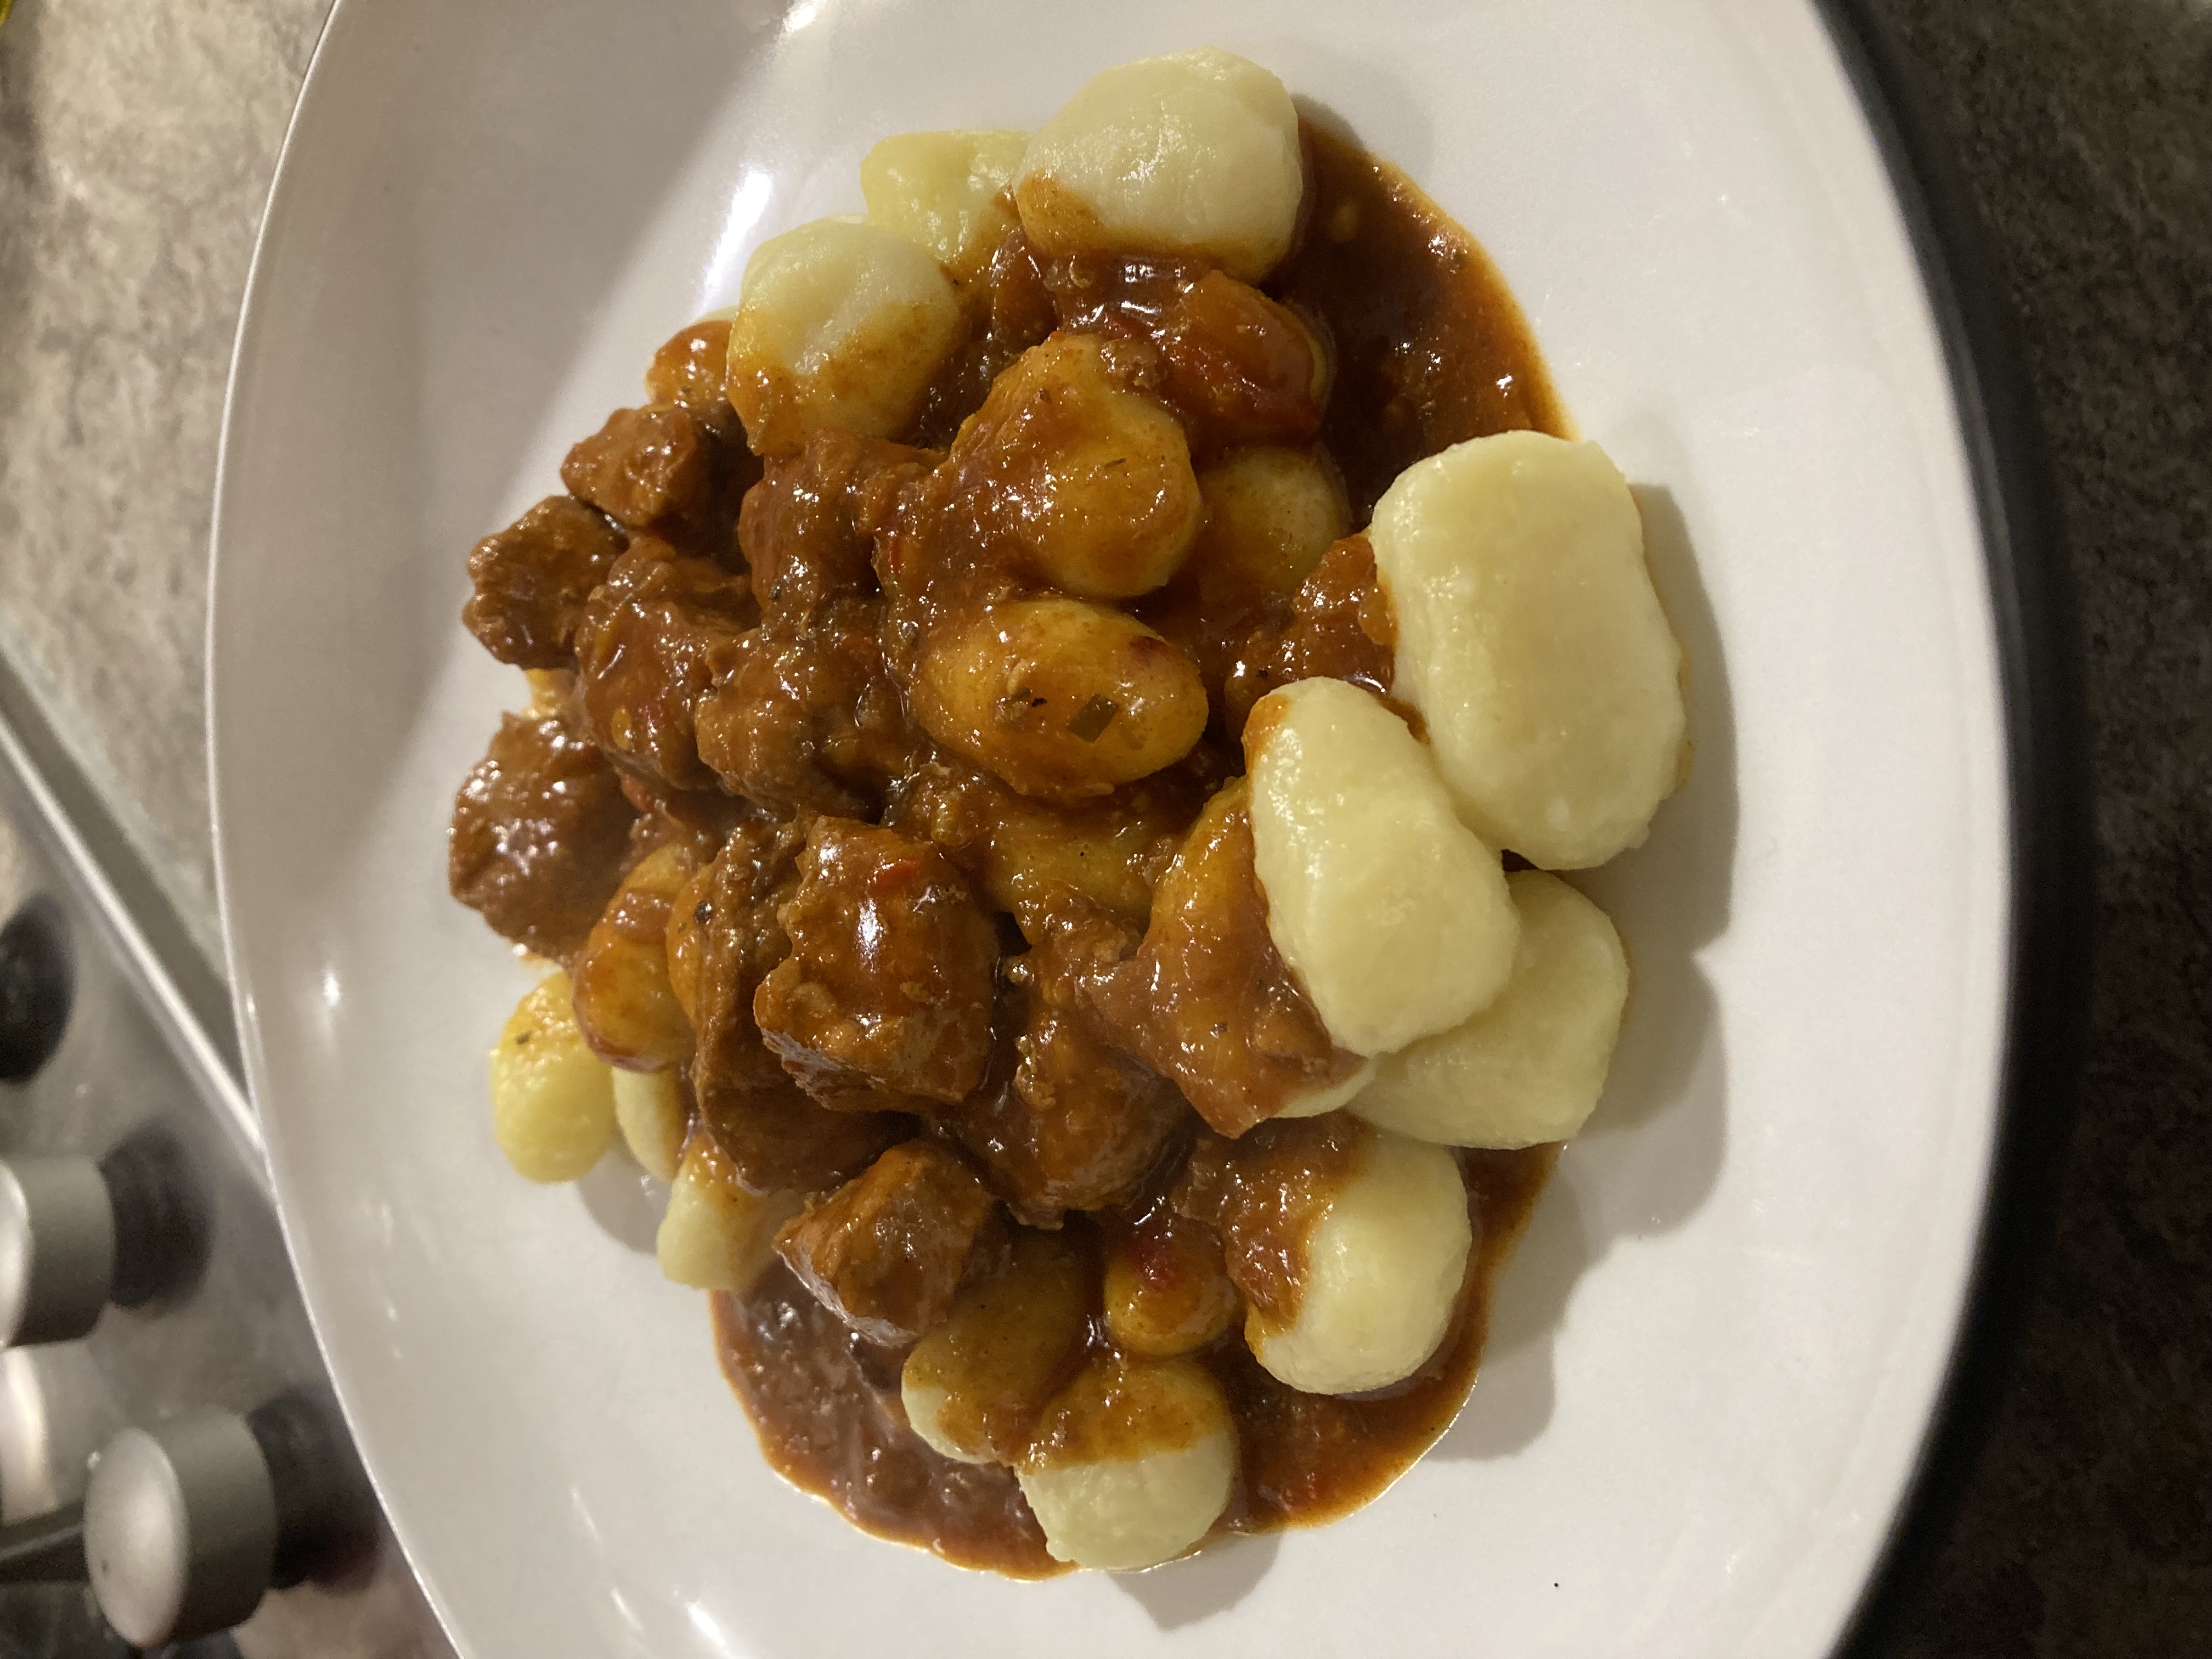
x=75, y=1234
x=189, y=1525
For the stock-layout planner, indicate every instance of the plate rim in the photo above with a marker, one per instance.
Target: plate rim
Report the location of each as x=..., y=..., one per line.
x=2048, y=806
x=2037, y=650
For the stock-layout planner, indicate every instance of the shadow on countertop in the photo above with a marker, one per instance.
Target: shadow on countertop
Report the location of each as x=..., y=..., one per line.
x=2085, y=130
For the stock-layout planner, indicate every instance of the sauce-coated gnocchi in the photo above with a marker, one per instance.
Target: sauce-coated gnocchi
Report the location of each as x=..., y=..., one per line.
x=1194, y=153
x=841, y=324
x=1132, y=1465
x=1382, y=1270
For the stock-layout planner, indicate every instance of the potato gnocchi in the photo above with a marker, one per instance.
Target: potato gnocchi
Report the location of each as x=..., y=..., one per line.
x=1029, y=724
x=1530, y=639
x=1530, y=1067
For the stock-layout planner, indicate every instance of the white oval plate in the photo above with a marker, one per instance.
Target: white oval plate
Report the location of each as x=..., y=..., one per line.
x=1715, y=1360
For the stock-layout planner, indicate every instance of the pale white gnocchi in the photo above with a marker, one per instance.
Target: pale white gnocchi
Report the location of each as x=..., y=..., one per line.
x=840, y=323
x=1192, y=153
x=649, y=1112
x=942, y=190
x=1531, y=641
x=1331, y=1095
x=715, y=1235
x=1393, y=915
x=1134, y=1464
x=552, y=1098
x=1384, y=1269
x=1528, y=1068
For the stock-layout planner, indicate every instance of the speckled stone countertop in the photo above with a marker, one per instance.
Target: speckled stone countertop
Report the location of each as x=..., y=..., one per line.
x=136, y=145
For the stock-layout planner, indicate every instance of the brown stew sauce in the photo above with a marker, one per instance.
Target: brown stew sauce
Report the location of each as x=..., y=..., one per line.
x=1429, y=350
x=826, y=1404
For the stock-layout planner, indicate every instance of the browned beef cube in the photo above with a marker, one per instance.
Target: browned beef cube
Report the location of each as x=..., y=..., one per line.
x=644, y=464
x=1065, y=1121
x=532, y=578
x=885, y=998
x=779, y=1140
x=804, y=526
x=656, y=634
x=689, y=371
x=540, y=835
x=887, y=1252
x=810, y=719
x=721, y=943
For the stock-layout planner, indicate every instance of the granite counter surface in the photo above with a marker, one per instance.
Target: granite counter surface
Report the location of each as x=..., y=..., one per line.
x=136, y=145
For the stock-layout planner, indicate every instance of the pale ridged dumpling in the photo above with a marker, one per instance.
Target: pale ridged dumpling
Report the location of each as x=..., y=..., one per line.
x=1393, y=915
x=716, y=1235
x=839, y=323
x=1133, y=1464
x=552, y=1098
x=649, y=1111
x=1384, y=1269
x=942, y=190
x=1192, y=153
x=1328, y=1098
x=1528, y=1068
x=1531, y=641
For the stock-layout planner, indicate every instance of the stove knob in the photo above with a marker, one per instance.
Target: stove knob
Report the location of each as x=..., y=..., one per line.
x=75, y=1234
x=35, y=984
x=188, y=1525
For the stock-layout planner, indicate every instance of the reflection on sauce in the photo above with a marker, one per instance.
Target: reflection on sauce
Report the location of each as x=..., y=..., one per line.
x=826, y=1406
x=1430, y=349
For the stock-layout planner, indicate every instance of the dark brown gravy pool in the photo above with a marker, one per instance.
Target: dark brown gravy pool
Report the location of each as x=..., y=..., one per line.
x=1431, y=350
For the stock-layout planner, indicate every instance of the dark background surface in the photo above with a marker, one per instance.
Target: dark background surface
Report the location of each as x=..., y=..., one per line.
x=2084, y=130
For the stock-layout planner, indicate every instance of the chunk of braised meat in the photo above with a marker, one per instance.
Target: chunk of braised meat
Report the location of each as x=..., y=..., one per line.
x=1067, y=1119
x=1236, y=365
x=888, y=1251
x=1207, y=999
x=540, y=834
x=656, y=634
x=723, y=938
x=810, y=719
x=644, y=464
x=885, y=998
x=530, y=581
x=1263, y=1193
x=805, y=528
x=1340, y=628
x=699, y=820
x=779, y=1140
x=1031, y=856
x=688, y=371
